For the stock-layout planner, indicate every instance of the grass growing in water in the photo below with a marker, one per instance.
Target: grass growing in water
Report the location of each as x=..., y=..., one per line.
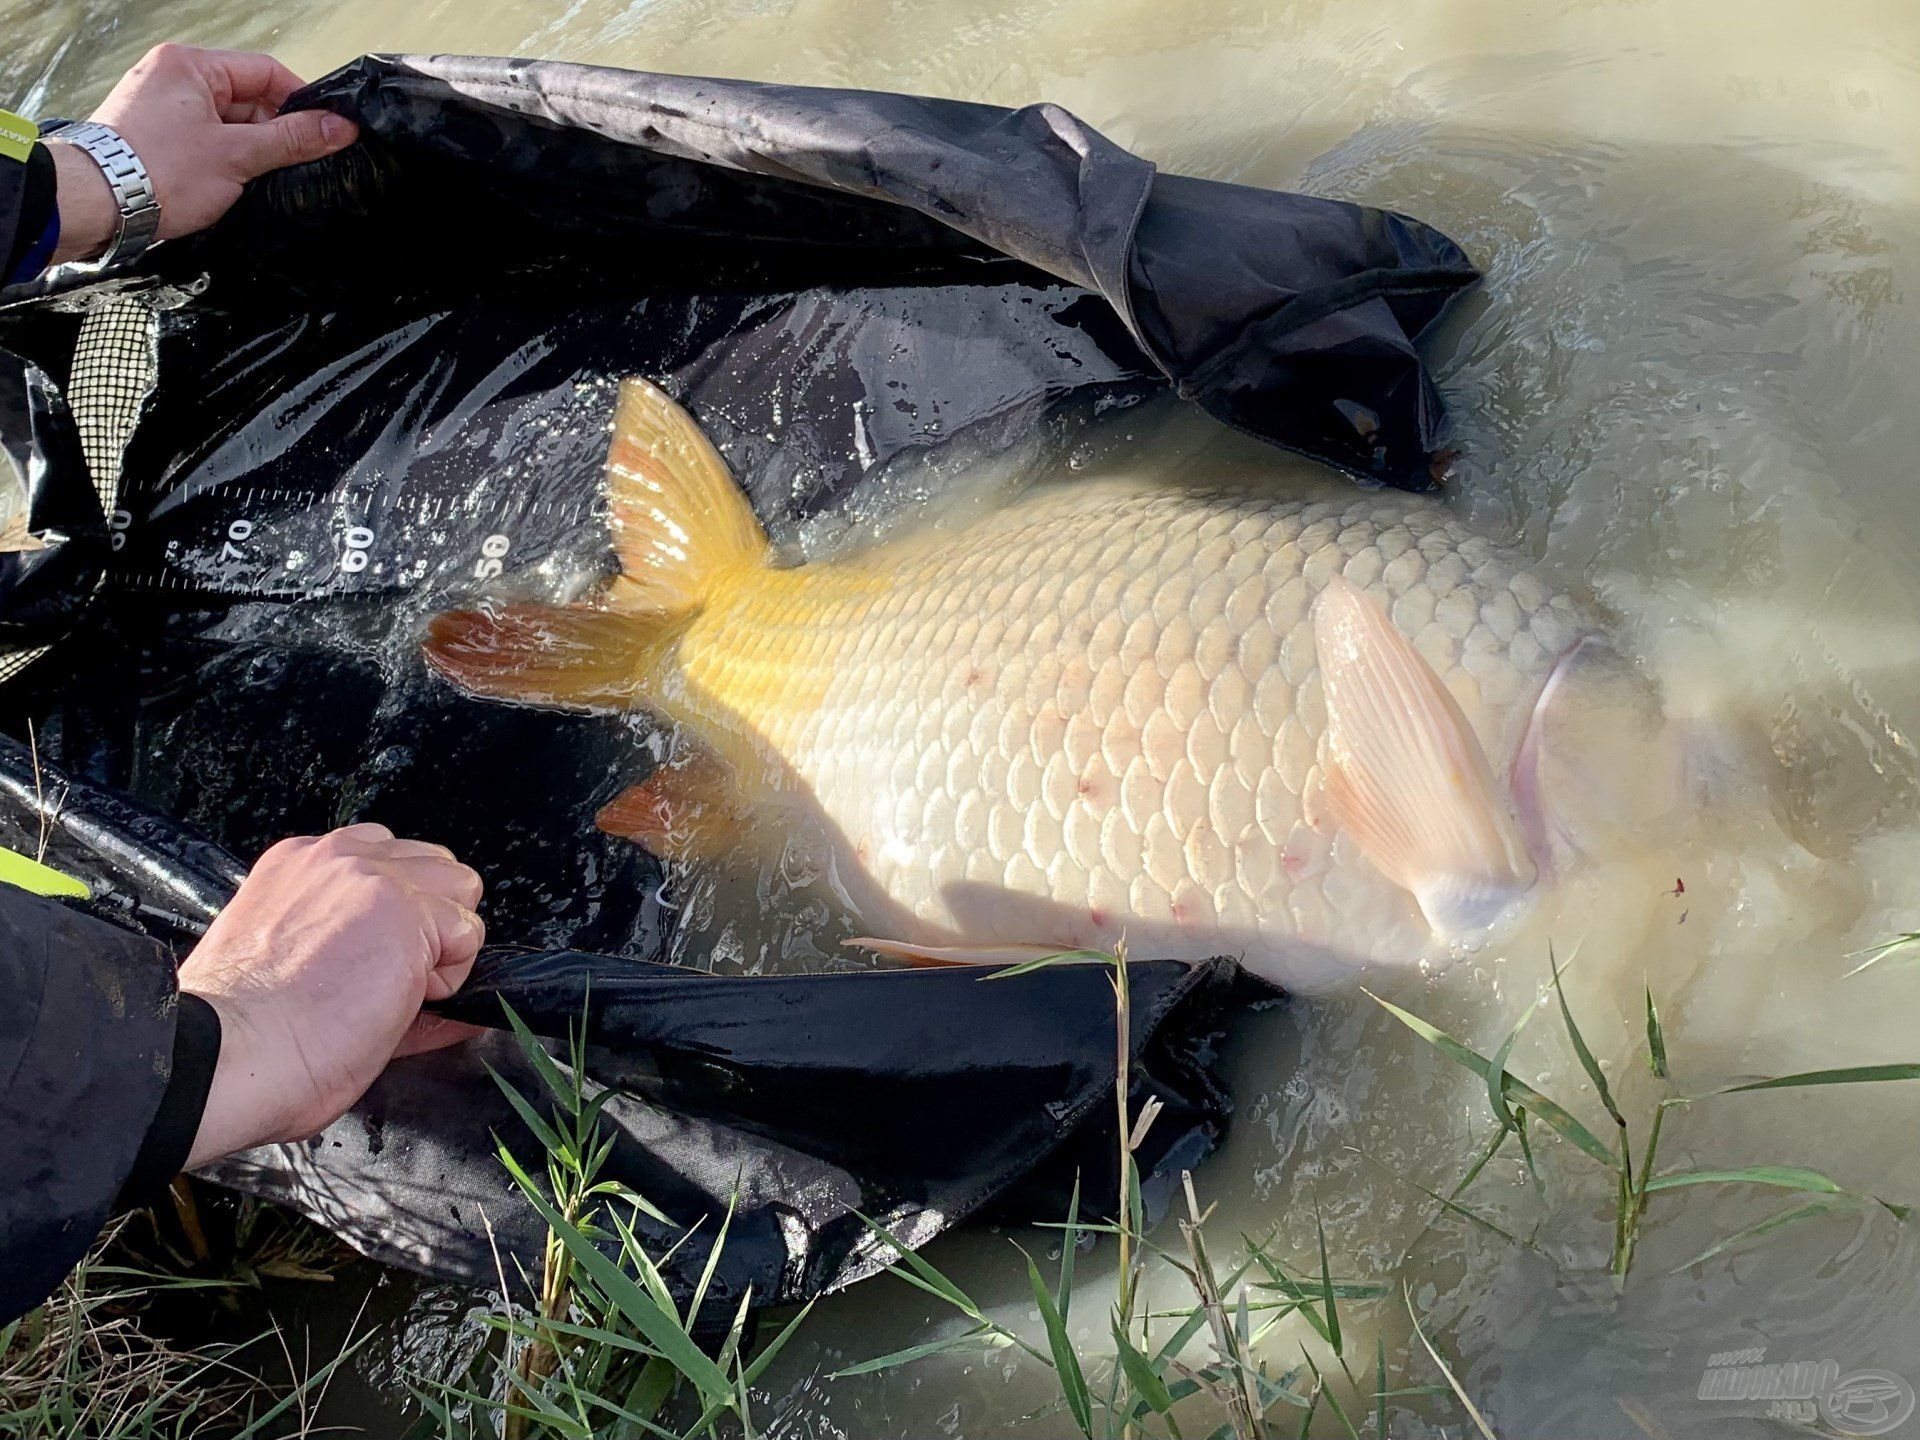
x=604, y=1348
x=1513, y=1101
x=607, y=1344
x=1151, y=1384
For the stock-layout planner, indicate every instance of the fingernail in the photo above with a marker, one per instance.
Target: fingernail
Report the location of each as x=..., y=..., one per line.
x=337, y=129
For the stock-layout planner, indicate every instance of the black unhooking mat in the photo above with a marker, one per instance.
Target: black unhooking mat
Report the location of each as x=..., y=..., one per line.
x=381, y=388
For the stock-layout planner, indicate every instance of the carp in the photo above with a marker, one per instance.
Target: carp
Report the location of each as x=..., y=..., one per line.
x=1312, y=726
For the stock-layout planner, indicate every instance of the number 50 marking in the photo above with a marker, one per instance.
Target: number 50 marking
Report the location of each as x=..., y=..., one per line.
x=492, y=551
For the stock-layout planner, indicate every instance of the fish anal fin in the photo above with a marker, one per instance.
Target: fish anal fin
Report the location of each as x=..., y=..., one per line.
x=1406, y=776
x=573, y=655
x=688, y=809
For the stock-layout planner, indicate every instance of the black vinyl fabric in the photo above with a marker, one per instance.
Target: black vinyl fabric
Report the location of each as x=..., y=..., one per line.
x=382, y=388
x=912, y=1098
x=53, y=538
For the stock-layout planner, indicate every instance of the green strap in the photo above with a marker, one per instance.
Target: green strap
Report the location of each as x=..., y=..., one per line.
x=17, y=869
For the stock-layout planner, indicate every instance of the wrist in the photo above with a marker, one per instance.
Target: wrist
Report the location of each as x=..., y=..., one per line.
x=242, y=1110
x=89, y=217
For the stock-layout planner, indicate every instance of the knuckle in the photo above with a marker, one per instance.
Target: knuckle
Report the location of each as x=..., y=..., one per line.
x=360, y=833
x=290, y=849
x=166, y=55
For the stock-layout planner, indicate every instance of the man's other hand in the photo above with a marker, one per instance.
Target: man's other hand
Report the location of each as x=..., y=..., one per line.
x=318, y=968
x=203, y=122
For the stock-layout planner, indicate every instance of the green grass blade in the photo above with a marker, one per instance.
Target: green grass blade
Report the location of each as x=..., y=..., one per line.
x=1146, y=1381
x=1494, y=1072
x=707, y=1271
x=1479, y=1420
x=659, y=1326
x=922, y=1273
x=775, y=1346
x=1069, y=1242
x=1482, y=1160
x=1656, y=1041
x=1177, y=1341
x=1787, y=1177
x=1294, y=1291
x=1448, y=1203
x=1850, y=1075
x=301, y=1390
x=981, y=1336
x=1306, y=1421
x=1331, y=1306
x=1587, y=1062
x=1526, y=1150
x=1073, y=1382
x=1764, y=1227
x=1380, y=1389
x=1046, y=962
x=1321, y=1391
x=537, y=1056
x=1554, y=1115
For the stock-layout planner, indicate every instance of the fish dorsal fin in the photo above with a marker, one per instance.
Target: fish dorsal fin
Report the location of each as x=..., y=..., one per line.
x=678, y=518
x=1405, y=774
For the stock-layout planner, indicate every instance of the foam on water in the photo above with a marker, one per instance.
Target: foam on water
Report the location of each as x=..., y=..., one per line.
x=1685, y=387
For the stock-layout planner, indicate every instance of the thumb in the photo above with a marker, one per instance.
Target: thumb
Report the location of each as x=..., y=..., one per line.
x=291, y=140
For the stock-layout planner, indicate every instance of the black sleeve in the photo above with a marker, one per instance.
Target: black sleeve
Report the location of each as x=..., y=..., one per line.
x=26, y=206
x=14, y=175
x=89, y=1020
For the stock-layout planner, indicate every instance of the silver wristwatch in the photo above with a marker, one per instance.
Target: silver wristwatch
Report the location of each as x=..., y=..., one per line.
x=132, y=191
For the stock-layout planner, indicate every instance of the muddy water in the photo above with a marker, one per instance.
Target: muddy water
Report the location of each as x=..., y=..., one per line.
x=1687, y=388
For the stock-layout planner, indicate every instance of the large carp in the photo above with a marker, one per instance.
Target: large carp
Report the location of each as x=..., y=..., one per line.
x=1215, y=719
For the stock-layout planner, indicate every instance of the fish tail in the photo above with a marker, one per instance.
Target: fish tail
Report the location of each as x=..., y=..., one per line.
x=682, y=531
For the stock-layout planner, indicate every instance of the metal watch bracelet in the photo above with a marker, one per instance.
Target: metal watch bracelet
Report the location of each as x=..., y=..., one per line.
x=132, y=191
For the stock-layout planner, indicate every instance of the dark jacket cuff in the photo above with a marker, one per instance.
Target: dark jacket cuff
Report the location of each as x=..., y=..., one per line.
x=163, y=1154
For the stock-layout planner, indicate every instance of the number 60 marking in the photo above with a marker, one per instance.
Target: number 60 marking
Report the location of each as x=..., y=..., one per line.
x=359, y=540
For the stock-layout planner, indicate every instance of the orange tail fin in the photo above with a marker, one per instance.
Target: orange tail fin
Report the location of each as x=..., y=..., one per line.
x=680, y=526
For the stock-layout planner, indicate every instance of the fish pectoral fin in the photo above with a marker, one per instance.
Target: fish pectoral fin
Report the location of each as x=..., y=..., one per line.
x=572, y=655
x=948, y=955
x=1406, y=776
x=688, y=809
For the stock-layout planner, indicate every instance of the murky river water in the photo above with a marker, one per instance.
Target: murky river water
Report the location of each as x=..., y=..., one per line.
x=1687, y=386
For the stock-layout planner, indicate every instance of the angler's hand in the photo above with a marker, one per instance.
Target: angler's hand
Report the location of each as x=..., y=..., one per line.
x=318, y=968
x=203, y=122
